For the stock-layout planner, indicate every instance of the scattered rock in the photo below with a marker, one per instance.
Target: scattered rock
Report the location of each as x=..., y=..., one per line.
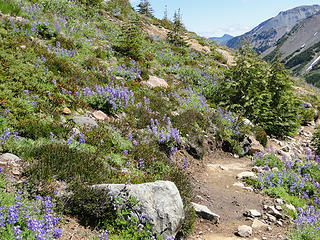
x=159, y=200
x=15, y=172
x=248, y=122
x=290, y=207
x=279, y=201
x=119, y=78
x=273, y=211
x=75, y=131
x=205, y=213
x=251, y=145
x=155, y=82
x=252, y=213
x=63, y=119
x=250, y=189
x=256, y=169
x=194, y=146
x=99, y=115
x=84, y=121
x=271, y=218
x=246, y=175
x=238, y=184
x=244, y=231
x=66, y=111
x=257, y=224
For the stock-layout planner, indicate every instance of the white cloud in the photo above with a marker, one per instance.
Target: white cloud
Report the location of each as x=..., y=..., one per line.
x=234, y=30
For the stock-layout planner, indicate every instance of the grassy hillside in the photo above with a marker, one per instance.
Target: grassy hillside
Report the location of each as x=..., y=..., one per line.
x=61, y=59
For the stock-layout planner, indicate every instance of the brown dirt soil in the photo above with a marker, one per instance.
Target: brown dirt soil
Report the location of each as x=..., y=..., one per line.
x=213, y=181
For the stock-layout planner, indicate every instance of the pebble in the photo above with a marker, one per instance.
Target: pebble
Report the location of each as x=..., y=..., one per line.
x=244, y=231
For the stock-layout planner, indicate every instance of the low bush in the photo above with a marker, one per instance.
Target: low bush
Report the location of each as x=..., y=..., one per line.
x=261, y=93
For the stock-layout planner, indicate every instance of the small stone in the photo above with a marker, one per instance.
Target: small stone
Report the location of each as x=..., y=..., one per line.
x=275, y=169
x=271, y=218
x=250, y=189
x=175, y=114
x=222, y=167
x=100, y=115
x=279, y=208
x=271, y=210
x=66, y=111
x=279, y=201
x=244, y=231
x=269, y=229
x=290, y=207
x=279, y=223
x=155, y=82
x=63, y=119
x=246, y=175
x=23, y=46
x=205, y=213
x=252, y=213
x=238, y=184
x=75, y=131
x=119, y=78
x=257, y=224
x=286, y=149
x=255, y=169
x=16, y=172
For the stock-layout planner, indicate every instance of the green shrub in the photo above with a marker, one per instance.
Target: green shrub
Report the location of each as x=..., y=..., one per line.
x=261, y=135
x=9, y=7
x=316, y=140
x=185, y=190
x=57, y=161
x=262, y=93
x=307, y=116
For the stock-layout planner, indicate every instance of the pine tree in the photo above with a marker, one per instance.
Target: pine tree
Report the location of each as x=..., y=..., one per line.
x=165, y=14
x=174, y=36
x=144, y=8
x=131, y=43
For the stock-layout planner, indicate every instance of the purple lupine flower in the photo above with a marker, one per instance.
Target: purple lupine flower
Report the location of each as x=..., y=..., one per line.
x=17, y=232
x=82, y=138
x=104, y=235
x=143, y=218
x=141, y=164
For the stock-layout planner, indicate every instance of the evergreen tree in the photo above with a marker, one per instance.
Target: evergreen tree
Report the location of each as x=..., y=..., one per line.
x=174, y=36
x=261, y=93
x=131, y=39
x=165, y=14
x=144, y=8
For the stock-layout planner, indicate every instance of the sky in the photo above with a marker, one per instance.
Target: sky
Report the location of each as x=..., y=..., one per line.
x=213, y=18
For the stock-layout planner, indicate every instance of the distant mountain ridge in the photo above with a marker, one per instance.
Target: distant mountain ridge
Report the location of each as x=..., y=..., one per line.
x=300, y=49
x=267, y=34
x=222, y=40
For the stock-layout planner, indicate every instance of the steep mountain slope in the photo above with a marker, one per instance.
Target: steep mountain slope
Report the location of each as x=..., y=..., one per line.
x=222, y=40
x=266, y=34
x=96, y=97
x=300, y=49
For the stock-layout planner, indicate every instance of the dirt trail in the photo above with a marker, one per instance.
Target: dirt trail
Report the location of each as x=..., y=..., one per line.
x=214, y=187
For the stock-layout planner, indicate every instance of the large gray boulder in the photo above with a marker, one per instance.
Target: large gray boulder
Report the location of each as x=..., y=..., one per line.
x=160, y=201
